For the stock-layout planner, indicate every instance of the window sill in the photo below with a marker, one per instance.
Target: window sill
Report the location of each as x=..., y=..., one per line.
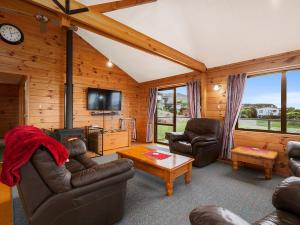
x=266, y=131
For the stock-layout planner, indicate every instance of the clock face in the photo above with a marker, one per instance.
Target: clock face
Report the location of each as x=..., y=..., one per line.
x=11, y=34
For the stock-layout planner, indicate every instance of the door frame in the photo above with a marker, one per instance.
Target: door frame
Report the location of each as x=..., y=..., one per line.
x=24, y=100
x=23, y=94
x=174, y=114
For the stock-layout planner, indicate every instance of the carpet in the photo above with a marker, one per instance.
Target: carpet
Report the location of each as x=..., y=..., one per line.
x=244, y=192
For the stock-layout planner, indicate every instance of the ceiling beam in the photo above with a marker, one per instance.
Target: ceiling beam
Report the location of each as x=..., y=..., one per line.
x=122, y=4
x=110, y=28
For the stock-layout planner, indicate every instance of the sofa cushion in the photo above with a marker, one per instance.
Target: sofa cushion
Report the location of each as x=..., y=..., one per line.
x=287, y=196
x=76, y=147
x=294, y=164
x=74, y=166
x=204, y=126
x=183, y=147
x=100, y=172
x=293, y=149
x=190, y=135
x=212, y=215
x=279, y=218
x=58, y=178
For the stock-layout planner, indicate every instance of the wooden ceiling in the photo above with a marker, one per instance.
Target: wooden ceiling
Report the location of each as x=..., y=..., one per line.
x=122, y=4
x=103, y=25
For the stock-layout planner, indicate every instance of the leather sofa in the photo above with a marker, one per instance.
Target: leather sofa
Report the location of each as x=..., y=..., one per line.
x=79, y=192
x=293, y=149
x=286, y=200
x=200, y=140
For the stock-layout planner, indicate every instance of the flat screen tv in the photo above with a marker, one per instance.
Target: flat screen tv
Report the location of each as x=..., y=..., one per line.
x=102, y=99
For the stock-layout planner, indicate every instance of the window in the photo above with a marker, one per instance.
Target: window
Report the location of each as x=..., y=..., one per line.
x=293, y=101
x=271, y=102
x=171, y=113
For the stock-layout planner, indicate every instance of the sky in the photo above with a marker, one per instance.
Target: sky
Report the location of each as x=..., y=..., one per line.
x=267, y=89
x=181, y=90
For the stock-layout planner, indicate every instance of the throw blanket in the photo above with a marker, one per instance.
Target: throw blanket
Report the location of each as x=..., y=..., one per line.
x=20, y=144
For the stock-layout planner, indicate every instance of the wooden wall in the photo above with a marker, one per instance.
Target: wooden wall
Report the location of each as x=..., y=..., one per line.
x=216, y=102
x=42, y=59
x=162, y=83
x=9, y=107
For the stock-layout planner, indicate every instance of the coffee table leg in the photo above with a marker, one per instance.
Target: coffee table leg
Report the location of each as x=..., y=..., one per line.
x=268, y=173
x=188, y=175
x=169, y=183
x=235, y=165
x=169, y=188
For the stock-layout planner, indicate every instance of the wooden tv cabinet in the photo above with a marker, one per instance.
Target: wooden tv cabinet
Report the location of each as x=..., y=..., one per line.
x=114, y=140
x=101, y=143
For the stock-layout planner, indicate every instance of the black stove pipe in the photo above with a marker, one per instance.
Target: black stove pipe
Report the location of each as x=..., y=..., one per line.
x=69, y=81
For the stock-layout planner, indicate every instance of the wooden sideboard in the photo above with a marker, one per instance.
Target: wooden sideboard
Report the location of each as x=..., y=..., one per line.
x=100, y=143
x=113, y=140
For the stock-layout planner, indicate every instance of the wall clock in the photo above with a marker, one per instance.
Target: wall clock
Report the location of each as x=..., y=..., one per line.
x=11, y=34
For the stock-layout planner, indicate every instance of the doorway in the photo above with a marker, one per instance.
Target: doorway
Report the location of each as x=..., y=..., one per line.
x=13, y=104
x=171, y=112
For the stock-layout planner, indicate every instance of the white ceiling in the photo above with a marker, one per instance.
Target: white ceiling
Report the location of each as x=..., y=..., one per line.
x=216, y=32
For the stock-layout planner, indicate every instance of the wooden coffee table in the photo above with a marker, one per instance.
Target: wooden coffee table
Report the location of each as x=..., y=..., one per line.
x=168, y=169
x=255, y=156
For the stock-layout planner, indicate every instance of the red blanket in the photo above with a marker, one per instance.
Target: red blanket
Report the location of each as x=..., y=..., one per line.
x=20, y=144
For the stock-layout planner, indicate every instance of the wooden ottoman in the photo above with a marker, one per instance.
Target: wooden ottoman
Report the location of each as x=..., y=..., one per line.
x=254, y=156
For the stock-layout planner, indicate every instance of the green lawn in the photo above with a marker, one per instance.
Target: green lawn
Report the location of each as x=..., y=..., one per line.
x=161, y=129
x=292, y=126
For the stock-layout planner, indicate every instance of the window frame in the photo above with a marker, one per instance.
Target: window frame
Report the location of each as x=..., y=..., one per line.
x=174, y=114
x=283, y=117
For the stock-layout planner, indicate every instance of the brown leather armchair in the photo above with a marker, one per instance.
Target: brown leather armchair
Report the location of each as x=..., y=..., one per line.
x=293, y=149
x=200, y=140
x=79, y=192
x=286, y=200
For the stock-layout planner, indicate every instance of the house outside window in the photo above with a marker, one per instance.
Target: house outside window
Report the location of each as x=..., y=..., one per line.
x=271, y=103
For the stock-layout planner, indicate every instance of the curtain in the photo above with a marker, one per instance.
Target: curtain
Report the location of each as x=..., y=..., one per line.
x=235, y=91
x=152, y=100
x=193, y=92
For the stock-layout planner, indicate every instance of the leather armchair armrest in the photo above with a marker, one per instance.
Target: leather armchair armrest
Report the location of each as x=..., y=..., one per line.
x=176, y=136
x=293, y=149
x=100, y=172
x=212, y=215
x=287, y=195
x=210, y=139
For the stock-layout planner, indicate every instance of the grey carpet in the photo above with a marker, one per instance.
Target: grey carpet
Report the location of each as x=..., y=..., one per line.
x=244, y=192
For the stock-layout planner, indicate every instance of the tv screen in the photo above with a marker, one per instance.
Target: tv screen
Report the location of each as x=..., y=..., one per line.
x=101, y=99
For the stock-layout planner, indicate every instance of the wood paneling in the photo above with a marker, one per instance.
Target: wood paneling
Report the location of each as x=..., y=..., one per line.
x=42, y=59
x=162, y=83
x=108, y=27
x=122, y=4
x=9, y=107
x=216, y=103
